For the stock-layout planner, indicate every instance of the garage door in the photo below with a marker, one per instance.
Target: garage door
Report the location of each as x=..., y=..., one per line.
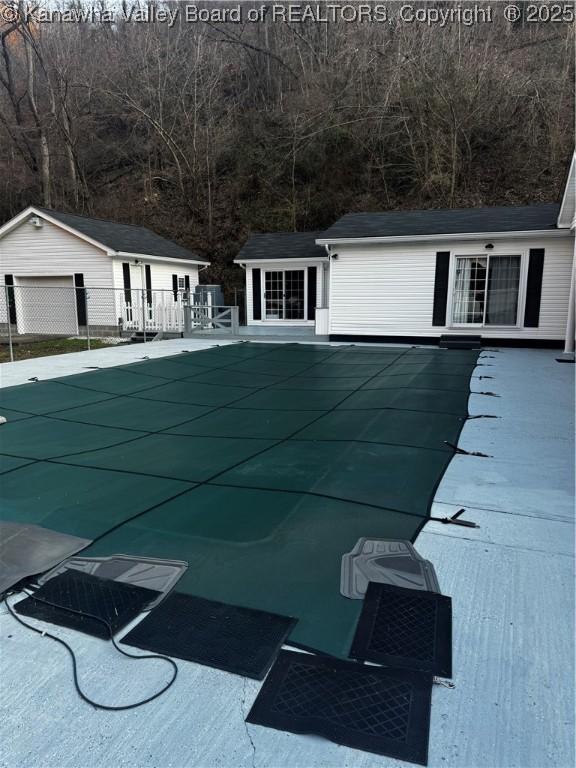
x=45, y=305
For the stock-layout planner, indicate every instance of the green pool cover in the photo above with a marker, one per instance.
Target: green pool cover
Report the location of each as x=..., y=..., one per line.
x=259, y=464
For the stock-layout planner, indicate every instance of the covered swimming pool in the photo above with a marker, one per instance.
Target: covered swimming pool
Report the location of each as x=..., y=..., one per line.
x=258, y=464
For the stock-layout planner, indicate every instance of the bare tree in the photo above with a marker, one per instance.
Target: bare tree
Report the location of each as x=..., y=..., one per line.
x=207, y=131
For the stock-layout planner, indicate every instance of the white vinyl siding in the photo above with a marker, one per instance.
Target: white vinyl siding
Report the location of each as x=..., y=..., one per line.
x=161, y=273
x=48, y=257
x=388, y=290
x=29, y=251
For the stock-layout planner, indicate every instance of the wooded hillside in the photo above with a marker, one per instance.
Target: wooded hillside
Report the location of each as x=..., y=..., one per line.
x=206, y=132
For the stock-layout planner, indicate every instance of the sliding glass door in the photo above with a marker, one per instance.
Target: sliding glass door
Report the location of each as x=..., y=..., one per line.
x=486, y=290
x=284, y=294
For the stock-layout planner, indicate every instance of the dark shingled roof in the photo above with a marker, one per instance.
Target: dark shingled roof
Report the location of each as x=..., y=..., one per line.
x=282, y=245
x=444, y=222
x=128, y=238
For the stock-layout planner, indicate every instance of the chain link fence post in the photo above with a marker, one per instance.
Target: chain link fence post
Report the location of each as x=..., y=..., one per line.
x=9, y=322
x=87, y=318
x=144, y=313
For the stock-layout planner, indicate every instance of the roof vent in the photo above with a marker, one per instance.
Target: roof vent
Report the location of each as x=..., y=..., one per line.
x=37, y=222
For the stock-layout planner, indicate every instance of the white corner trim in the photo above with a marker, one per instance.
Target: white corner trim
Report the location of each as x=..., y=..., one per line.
x=536, y=233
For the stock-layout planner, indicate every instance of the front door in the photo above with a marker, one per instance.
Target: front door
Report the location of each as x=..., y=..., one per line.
x=284, y=294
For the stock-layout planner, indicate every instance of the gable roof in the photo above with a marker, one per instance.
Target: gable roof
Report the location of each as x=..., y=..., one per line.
x=123, y=238
x=281, y=245
x=443, y=222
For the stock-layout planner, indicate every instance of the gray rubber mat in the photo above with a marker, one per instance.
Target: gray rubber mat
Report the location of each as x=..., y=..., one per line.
x=386, y=711
x=27, y=550
x=385, y=561
x=149, y=572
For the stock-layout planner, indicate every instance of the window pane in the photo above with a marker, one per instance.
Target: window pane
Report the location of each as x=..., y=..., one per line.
x=274, y=295
x=469, y=290
x=295, y=294
x=503, y=281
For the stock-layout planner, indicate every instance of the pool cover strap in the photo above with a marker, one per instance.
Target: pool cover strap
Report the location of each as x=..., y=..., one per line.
x=463, y=452
x=114, y=603
x=406, y=628
x=386, y=711
x=455, y=520
x=239, y=640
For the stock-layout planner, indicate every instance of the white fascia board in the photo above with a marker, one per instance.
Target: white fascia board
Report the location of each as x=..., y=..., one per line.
x=568, y=204
x=16, y=220
x=32, y=211
x=163, y=259
x=439, y=238
x=317, y=260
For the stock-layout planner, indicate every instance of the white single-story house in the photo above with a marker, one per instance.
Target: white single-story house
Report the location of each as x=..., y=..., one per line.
x=57, y=266
x=503, y=273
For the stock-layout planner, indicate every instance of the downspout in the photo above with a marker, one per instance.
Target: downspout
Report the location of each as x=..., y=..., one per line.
x=326, y=279
x=327, y=287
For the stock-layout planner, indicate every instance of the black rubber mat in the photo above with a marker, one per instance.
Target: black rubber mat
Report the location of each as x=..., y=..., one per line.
x=386, y=711
x=112, y=601
x=150, y=572
x=406, y=628
x=238, y=640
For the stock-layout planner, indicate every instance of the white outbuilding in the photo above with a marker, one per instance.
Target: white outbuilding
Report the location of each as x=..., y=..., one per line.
x=57, y=267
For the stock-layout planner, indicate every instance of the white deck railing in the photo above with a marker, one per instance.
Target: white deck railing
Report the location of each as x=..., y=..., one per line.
x=162, y=314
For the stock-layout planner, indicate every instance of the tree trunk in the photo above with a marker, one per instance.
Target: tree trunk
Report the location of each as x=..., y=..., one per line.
x=42, y=138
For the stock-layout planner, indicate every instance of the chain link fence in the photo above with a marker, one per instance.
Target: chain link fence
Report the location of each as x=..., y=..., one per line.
x=33, y=313
x=236, y=297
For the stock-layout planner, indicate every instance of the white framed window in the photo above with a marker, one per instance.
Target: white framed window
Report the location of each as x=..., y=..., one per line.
x=486, y=290
x=284, y=293
x=181, y=283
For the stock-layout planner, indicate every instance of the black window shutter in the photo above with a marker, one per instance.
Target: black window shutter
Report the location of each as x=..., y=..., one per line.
x=80, y=298
x=534, y=288
x=311, y=293
x=256, y=298
x=441, y=288
x=9, y=281
x=127, y=286
x=187, y=282
x=175, y=287
x=148, y=277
